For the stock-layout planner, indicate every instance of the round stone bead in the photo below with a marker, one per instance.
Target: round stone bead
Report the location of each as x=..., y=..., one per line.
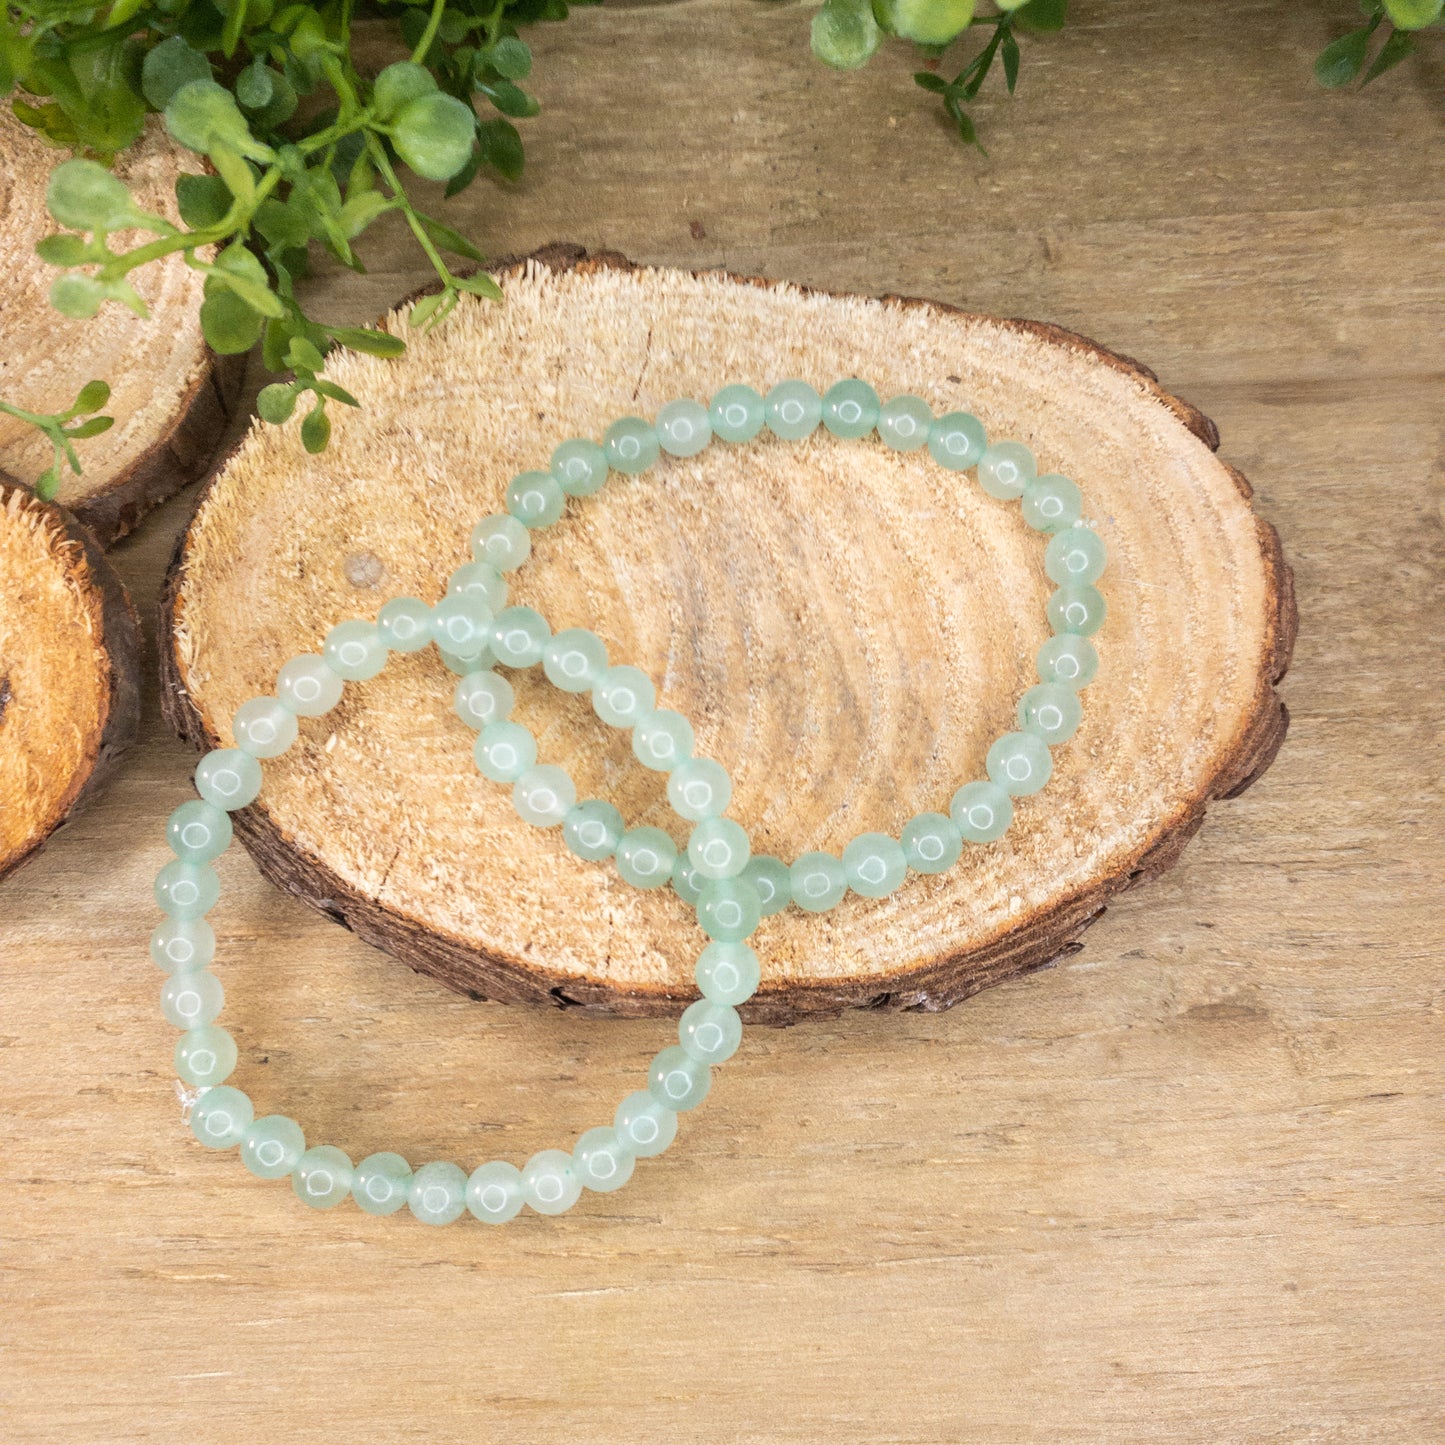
x=179, y=944
x=535, y=499
x=677, y=1080
x=404, y=624
x=698, y=789
x=623, y=696
x=1074, y=555
x=729, y=909
x=850, y=409
x=1005, y=469
x=645, y=857
x=205, y=1056
x=308, y=686
x=481, y=582
x=549, y=1182
x=770, y=876
x=792, y=410
x=687, y=882
x=957, y=441
x=272, y=1146
x=575, y=659
x=221, y=1116
x=438, y=1193
x=602, y=1161
x=580, y=467
x=494, y=1192
x=543, y=795
x=504, y=751
x=1077, y=608
x=662, y=739
x=874, y=864
x=354, y=650
x=982, y=811
x=501, y=541
x=683, y=428
x=592, y=830
x=198, y=831
x=264, y=727
x=187, y=890
x=931, y=843
x=228, y=778
x=519, y=636
x=461, y=625
x=480, y=698
x=1019, y=763
x=192, y=998
x=736, y=414
x=631, y=445
x=1051, y=503
x=1068, y=659
x=322, y=1177
x=380, y=1183
x=817, y=881
x=1052, y=711
x=710, y=1031
x=728, y=972
x=644, y=1126
x=718, y=848
x=904, y=423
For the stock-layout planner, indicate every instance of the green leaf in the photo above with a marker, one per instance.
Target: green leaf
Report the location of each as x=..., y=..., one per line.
x=337, y=393
x=509, y=57
x=844, y=34
x=229, y=325
x=303, y=356
x=235, y=19
x=1414, y=14
x=85, y=196
x=447, y=239
x=256, y=85
x=966, y=131
x=50, y=120
x=1042, y=15
x=238, y=271
x=929, y=81
x=479, y=284
x=512, y=100
x=433, y=134
x=76, y=296
x=1340, y=61
x=426, y=308
x=66, y=249
x=47, y=484
x=1010, y=61
x=284, y=223
x=361, y=210
x=1399, y=44
x=316, y=430
x=91, y=397
x=276, y=402
x=203, y=200
x=168, y=67
x=399, y=84
x=373, y=343
x=501, y=147
x=91, y=428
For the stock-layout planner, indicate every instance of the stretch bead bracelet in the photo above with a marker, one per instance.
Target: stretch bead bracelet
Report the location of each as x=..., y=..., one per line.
x=716, y=874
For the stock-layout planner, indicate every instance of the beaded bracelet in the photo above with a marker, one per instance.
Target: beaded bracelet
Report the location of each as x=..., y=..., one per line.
x=729, y=889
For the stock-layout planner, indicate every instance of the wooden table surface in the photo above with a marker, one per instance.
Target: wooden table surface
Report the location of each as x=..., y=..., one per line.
x=1187, y=1187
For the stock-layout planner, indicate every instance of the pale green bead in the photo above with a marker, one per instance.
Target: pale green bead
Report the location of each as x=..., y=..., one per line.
x=1052, y=711
x=480, y=581
x=501, y=541
x=773, y=880
x=1051, y=503
x=480, y=698
x=602, y=1160
x=662, y=739
x=850, y=409
x=710, y=1031
x=354, y=650
x=631, y=445
x=644, y=1126
x=736, y=414
x=957, y=441
x=179, y=944
x=1077, y=608
x=519, y=636
x=549, y=1183
x=575, y=659
x=504, y=751
x=272, y=1146
x=792, y=410
x=677, y=1080
x=931, y=843
x=817, y=881
x=1005, y=469
x=205, y=1056
x=438, y=1193
x=1069, y=660
x=543, y=795
x=645, y=857
x=264, y=727
x=592, y=830
x=461, y=625
x=404, y=624
x=718, y=848
x=535, y=499
x=982, y=811
x=192, y=999
x=228, y=778
x=1075, y=555
x=698, y=789
x=904, y=423
x=687, y=882
x=198, y=831
x=494, y=1192
x=729, y=909
x=1019, y=763
x=308, y=686
x=874, y=865
x=187, y=890
x=580, y=467
x=623, y=696
x=380, y=1183
x=683, y=428
x=728, y=972
x=322, y=1177
x=221, y=1116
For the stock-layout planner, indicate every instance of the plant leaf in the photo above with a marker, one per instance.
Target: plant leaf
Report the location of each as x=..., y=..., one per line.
x=1400, y=44
x=1341, y=60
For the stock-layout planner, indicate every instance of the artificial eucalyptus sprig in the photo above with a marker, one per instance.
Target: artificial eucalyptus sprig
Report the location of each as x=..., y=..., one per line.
x=65, y=429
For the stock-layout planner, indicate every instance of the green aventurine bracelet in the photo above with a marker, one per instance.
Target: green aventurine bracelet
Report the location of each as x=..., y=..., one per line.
x=729, y=889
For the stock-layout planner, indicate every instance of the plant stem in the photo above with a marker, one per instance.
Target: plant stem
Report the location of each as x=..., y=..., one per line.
x=433, y=24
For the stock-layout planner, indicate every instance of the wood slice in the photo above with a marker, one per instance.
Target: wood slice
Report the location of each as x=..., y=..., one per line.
x=69, y=670
x=171, y=397
x=847, y=628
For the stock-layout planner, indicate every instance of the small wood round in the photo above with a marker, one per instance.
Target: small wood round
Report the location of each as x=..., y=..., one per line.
x=847, y=628
x=69, y=671
x=170, y=396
